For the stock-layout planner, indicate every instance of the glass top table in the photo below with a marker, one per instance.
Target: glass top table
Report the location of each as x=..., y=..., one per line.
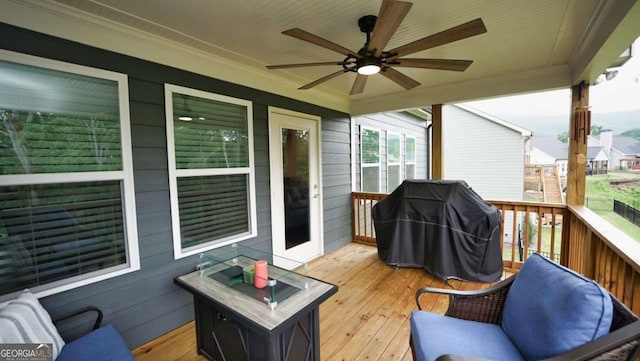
x=235, y=266
x=237, y=319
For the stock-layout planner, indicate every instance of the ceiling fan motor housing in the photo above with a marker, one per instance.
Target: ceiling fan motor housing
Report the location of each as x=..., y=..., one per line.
x=367, y=23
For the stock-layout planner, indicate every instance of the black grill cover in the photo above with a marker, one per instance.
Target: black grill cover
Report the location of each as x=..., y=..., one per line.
x=443, y=226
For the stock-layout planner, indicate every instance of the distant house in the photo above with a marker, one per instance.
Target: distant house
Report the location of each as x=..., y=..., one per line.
x=549, y=151
x=485, y=151
x=623, y=152
x=597, y=160
x=604, y=152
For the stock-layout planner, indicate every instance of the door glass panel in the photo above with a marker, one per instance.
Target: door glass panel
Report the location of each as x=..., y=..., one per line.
x=295, y=165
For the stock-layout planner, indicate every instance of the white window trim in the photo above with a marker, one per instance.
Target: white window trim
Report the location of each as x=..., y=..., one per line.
x=408, y=161
x=174, y=174
x=125, y=175
x=365, y=165
x=398, y=163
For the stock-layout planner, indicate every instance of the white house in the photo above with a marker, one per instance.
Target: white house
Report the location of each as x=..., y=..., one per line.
x=486, y=152
x=549, y=150
x=623, y=152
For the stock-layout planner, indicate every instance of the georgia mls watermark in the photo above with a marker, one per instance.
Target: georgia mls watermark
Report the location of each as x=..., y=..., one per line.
x=26, y=352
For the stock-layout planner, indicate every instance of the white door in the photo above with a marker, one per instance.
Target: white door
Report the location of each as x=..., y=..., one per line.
x=296, y=199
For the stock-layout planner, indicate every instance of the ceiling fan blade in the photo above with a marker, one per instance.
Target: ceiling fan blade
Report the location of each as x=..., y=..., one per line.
x=466, y=30
x=392, y=13
x=316, y=40
x=403, y=80
x=441, y=64
x=358, y=84
x=287, y=66
x=322, y=80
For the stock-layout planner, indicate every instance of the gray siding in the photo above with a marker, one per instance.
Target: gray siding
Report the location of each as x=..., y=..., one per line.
x=399, y=123
x=146, y=304
x=487, y=155
x=336, y=182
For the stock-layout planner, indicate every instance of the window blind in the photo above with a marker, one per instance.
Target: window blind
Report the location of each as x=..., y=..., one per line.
x=63, y=182
x=209, y=133
x=371, y=179
x=59, y=231
x=211, y=169
x=212, y=207
x=393, y=177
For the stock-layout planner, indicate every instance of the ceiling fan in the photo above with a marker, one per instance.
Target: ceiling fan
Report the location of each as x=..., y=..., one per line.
x=373, y=59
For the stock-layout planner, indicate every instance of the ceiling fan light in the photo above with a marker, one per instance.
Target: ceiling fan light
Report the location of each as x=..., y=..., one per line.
x=369, y=69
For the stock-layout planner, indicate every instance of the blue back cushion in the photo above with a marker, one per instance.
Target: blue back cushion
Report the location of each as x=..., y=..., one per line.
x=550, y=309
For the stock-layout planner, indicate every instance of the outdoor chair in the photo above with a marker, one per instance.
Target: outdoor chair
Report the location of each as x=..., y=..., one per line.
x=544, y=312
x=25, y=321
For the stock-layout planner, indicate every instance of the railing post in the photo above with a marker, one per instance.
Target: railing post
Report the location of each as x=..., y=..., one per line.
x=565, y=246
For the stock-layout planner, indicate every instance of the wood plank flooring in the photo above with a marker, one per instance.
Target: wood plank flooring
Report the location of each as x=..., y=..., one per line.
x=368, y=319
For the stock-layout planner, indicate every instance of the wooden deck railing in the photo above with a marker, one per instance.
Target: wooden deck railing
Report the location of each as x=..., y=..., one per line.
x=529, y=227
x=573, y=236
x=602, y=252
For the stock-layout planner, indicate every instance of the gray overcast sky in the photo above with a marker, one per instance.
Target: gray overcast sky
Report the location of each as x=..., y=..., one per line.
x=619, y=94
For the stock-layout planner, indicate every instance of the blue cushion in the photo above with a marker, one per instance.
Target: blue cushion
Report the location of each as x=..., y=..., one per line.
x=435, y=335
x=103, y=344
x=550, y=309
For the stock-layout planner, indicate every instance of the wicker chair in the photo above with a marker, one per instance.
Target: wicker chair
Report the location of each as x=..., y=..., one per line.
x=486, y=305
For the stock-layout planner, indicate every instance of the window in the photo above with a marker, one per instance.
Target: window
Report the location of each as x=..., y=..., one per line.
x=211, y=170
x=393, y=161
x=67, y=206
x=370, y=160
x=410, y=158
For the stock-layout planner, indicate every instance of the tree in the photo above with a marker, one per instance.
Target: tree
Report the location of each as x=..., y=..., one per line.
x=634, y=133
x=563, y=137
x=12, y=128
x=596, y=129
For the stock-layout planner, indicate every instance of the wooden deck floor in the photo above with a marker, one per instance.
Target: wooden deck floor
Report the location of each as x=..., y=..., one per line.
x=368, y=319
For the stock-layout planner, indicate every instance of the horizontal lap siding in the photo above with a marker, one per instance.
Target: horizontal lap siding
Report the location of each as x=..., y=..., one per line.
x=336, y=182
x=487, y=155
x=146, y=304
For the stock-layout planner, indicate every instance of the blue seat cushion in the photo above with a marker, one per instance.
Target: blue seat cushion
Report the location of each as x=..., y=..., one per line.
x=435, y=335
x=103, y=344
x=550, y=309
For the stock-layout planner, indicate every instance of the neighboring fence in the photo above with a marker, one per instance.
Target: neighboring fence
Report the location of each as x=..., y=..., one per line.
x=600, y=204
x=629, y=213
x=555, y=257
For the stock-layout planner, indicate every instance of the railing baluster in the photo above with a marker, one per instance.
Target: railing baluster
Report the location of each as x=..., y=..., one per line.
x=587, y=245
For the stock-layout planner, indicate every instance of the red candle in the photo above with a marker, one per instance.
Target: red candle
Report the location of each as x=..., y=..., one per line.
x=261, y=275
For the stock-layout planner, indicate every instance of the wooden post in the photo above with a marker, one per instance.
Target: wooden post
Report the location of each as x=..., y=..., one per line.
x=579, y=129
x=437, y=161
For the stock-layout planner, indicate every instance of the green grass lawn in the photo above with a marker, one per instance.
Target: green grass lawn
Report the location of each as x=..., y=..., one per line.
x=622, y=224
x=598, y=186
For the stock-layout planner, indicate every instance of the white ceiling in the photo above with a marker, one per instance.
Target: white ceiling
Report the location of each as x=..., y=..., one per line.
x=529, y=45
